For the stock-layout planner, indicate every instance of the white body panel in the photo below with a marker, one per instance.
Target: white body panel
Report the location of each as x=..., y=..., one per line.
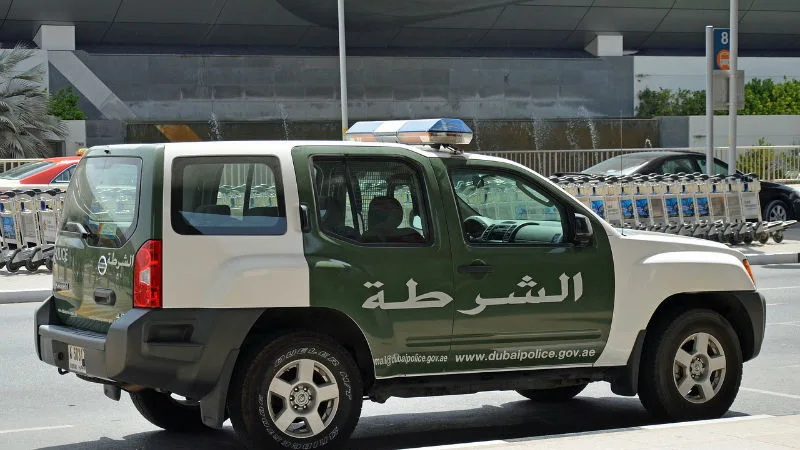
x=235, y=271
x=650, y=267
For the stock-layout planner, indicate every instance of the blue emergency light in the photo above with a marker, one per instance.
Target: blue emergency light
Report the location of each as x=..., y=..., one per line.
x=412, y=132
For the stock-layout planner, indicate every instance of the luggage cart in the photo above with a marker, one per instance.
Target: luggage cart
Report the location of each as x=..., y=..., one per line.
x=11, y=232
x=29, y=226
x=47, y=219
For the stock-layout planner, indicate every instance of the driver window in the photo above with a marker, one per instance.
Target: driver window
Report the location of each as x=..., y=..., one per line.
x=497, y=208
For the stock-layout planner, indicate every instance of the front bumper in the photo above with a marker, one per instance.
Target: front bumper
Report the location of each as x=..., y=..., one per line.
x=182, y=351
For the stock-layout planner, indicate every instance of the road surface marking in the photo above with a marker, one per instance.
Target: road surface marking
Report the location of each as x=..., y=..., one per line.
x=779, y=288
x=22, y=430
x=777, y=394
x=794, y=324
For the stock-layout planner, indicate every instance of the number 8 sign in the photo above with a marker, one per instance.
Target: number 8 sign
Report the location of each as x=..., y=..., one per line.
x=722, y=48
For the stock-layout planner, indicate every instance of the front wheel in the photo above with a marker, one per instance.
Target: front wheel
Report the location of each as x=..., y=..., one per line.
x=302, y=390
x=691, y=367
x=167, y=412
x=559, y=394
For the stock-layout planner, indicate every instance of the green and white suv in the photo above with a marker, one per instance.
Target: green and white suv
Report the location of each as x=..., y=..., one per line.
x=279, y=284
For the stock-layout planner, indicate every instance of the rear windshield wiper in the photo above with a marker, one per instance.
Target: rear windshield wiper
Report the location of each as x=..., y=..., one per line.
x=76, y=227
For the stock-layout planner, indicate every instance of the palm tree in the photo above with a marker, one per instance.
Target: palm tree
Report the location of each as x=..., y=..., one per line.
x=25, y=121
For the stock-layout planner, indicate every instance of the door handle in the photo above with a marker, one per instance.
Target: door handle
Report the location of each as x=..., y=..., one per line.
x=475, y=267
x=105, y=297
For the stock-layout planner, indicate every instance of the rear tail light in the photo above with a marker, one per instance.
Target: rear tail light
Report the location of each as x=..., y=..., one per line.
x=147, y=276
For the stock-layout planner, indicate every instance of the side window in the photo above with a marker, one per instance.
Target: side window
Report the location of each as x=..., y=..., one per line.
x=371, y=201
x=718, y=168
x=227, y=196
x=64, y=177
x=498, y=208
x=677, y=165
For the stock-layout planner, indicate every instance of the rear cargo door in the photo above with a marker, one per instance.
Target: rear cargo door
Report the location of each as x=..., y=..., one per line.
x=95, y=250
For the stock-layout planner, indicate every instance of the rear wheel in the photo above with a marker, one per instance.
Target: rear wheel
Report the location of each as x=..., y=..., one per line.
x=301, y=390
x=559, y=394
x=778, y=237
x=167, y=412
x=691, y=368
x=32, y=266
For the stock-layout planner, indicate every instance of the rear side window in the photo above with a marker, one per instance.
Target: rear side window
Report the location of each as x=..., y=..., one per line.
x=228, y=196
x=104, y=199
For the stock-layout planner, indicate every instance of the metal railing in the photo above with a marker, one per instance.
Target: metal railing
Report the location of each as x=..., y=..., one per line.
x=772, y=163
x=8, y=164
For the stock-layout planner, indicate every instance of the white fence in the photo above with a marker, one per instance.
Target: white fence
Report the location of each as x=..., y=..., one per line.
x=6, y=164
x=774, y=163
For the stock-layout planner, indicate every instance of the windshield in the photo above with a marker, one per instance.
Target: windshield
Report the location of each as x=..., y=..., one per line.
x=20, y=172
x=103, y=198
x=619, y=165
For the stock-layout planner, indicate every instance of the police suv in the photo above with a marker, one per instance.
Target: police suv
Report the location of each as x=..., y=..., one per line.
x=279, y=284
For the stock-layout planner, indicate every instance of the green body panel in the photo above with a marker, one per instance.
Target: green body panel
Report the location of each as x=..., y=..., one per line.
x=508, y=335
x=339, y=270
x=429, y=340
x=76, y=275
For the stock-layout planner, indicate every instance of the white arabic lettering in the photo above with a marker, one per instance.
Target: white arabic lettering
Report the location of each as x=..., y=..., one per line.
x=433, y=299
x=437, y=299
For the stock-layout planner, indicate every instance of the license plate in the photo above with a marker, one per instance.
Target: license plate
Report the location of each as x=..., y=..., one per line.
x=77, y=359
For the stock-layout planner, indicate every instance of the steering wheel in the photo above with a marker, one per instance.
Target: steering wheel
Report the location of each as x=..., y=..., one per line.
x=475, y=227
x=517, y=228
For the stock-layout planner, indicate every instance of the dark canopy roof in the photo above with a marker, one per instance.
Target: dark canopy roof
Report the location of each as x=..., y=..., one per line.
x=425, y=24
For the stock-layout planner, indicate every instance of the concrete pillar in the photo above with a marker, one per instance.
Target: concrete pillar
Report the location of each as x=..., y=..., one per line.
x=55, y=37
x=605, y=45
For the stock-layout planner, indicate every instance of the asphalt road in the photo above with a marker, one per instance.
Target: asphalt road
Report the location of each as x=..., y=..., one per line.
x=41, y=409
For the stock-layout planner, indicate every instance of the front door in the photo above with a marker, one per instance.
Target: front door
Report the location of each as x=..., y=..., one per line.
x=378, y=253
x=526, y=295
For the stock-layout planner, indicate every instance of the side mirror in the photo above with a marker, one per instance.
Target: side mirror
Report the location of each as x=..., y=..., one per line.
x=583, y=230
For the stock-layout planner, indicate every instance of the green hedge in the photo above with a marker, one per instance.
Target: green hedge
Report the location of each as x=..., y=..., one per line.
x=761, y=97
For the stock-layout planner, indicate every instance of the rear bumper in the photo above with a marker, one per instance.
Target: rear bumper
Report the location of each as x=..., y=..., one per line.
x=182, y=351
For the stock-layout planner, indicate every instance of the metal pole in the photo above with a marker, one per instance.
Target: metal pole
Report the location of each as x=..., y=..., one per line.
x=342, y=67
x=709, y=100
x=732, y=108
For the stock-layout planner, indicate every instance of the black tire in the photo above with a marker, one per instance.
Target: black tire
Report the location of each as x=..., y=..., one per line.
x=165, y=412
x=251, y=405
x=658, y=390
x=775, y=205
x=778, y=237
x=30, y=266
x=48, y=263
x=13, y=267
x=559, y=394
x=748, y=238
x=763, y=238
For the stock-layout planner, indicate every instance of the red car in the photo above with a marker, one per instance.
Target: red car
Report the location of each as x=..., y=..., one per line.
x=45, y=174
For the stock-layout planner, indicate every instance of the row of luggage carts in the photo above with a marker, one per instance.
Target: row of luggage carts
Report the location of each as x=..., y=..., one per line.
x=722, y=208
x=29, y=221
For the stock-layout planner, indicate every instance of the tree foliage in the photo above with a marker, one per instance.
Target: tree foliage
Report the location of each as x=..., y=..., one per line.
x=761, y=97
x=25, y=120
x=64, y=105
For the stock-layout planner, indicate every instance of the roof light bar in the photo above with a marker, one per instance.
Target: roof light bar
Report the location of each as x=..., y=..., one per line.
x=412, y=132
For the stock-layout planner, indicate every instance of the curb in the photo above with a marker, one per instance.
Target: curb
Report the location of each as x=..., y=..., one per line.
x=26, y=296
x=773, y=258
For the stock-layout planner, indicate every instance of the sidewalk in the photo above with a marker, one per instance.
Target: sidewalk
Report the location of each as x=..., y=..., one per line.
x=787, y=252
x=747, y=432
x=23, y=287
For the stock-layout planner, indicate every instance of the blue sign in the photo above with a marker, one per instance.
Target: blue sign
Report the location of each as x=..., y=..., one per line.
x=722, y=48
x=8, y=228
